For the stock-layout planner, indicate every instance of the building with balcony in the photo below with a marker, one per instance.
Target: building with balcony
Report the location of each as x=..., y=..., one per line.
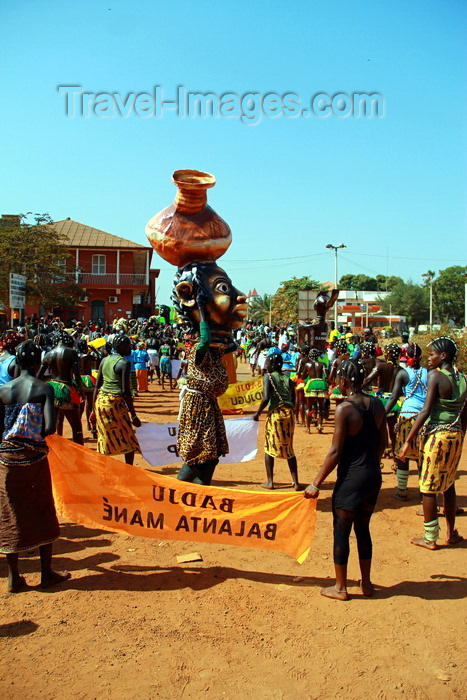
x=114, y=273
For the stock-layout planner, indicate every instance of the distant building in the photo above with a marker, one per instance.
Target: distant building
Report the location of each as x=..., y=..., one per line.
x=114, y=272
x=252, y=296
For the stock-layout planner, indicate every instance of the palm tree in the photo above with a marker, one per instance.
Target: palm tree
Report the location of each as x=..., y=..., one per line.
x=260, y=309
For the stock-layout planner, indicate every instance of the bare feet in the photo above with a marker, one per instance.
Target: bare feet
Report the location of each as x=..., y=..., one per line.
x=367, y=588
x=455, y=538
x=268, y=485
x=401, y=495
x=297, y=487
x=16, y=583
x=53, y=578
x=333, y=592
x=420, y=542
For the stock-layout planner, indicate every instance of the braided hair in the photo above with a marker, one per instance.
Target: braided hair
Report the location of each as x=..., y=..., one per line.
x=28, y=354
x=368, y=349
x=447, y=345
x=354, y=370
x=393, y=351
x=342, y=346
x=313, y=354
x=64, y=338
x=414, y=351
x=276, y=361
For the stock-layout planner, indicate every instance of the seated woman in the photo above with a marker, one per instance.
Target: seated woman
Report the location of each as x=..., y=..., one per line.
x=27, y=510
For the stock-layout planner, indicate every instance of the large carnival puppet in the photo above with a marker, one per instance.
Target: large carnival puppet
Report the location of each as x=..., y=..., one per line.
x=190, y=235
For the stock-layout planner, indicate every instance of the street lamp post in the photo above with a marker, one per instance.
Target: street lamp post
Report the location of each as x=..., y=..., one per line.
x=429, y=276
x=335, y=248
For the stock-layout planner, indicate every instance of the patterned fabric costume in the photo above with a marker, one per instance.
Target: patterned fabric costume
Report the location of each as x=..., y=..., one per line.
x=442, y=439
x=27, y=510
x=415, y=392
x=201, y=435
x=88, y=382
x=280, y=423
x=115, y=433
x=65, y=395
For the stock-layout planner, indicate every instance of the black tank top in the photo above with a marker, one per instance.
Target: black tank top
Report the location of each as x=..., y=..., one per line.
x=361, y=450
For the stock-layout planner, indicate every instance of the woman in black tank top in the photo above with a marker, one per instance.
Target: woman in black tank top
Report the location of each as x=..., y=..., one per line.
x=358, y=443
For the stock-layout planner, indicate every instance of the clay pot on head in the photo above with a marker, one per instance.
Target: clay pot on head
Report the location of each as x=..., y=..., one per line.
x=189, y=229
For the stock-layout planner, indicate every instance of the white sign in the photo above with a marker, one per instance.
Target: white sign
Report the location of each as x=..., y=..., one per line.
x=158, y=441
x=17, y=291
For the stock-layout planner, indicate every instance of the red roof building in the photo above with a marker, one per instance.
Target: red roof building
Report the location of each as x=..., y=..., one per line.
x=114, y=273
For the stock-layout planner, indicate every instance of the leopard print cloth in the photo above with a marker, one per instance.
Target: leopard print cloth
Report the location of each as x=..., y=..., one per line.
x=201, y=434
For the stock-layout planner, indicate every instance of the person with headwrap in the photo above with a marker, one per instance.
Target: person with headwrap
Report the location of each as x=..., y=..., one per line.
x=7, y=356
x=441, y=425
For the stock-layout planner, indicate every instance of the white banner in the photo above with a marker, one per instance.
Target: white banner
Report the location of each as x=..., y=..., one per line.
x=158, y=441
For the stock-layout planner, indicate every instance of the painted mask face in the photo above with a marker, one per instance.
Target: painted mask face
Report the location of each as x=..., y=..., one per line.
x=227, y=308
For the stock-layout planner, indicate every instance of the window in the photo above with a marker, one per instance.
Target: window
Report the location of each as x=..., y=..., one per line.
x=98, y=264
x=61, y=275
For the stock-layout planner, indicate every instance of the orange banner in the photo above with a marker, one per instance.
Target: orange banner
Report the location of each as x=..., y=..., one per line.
x=102, y=492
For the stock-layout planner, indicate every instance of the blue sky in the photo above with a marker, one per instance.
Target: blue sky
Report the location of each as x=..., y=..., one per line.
x=391, y=188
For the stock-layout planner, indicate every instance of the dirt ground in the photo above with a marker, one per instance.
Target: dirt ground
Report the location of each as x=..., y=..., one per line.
x=243, y=623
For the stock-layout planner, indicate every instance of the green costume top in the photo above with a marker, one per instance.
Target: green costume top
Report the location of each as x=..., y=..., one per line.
x=280, y=391
x=446, y=411
x=112, y=383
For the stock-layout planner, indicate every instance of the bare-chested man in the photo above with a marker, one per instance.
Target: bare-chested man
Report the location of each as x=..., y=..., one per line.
x=385, y=373
x=342, y=353
x=302, y=374
x=368, y=357
x=316, y=391
x=64, y=367
x=86, y=363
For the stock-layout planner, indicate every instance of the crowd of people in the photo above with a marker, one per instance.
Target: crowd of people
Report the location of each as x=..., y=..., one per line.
x=385, y=404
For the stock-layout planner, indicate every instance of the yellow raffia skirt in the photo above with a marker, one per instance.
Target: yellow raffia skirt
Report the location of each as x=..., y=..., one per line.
x=279, y=431
x=115, y=433
x=403, y=428
x=440, y=455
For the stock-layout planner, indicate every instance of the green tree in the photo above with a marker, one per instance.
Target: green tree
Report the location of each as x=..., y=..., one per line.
x=346, y=282
x=37, y=251
x=449, y=295
x=386, y=284
x=363, y=283
x=285, y=300
x=260, y=308
x=409, y=300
